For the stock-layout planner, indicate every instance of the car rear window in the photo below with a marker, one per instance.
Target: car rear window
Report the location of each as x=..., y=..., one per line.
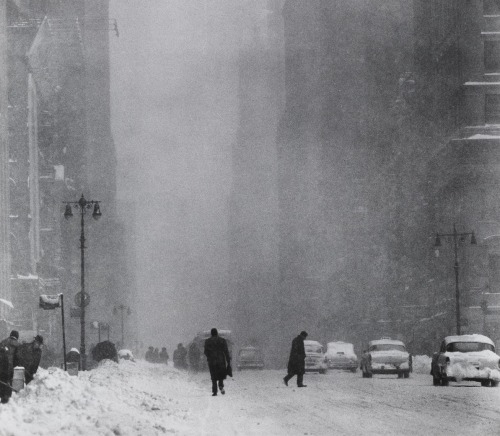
x=387, y=347
x=313, y=348
x=467, y=347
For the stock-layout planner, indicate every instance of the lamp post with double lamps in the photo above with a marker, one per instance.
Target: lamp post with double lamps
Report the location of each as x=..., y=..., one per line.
x=82, y=205
x=455, y=237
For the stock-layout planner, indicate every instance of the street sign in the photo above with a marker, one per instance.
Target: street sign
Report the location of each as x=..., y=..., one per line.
x=78, y=299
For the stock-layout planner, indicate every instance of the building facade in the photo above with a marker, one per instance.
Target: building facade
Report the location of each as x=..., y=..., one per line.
x=60, y=147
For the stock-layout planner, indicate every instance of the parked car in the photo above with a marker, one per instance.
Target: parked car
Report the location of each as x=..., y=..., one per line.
x=466, y=357
x=386, y=356
x=250, y=358
x=341, y=355
x=315, y=357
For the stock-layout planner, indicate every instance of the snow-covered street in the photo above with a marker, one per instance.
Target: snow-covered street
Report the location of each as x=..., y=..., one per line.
x=140, y=398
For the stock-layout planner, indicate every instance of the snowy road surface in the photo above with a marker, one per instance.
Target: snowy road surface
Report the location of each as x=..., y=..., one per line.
x=140, y=398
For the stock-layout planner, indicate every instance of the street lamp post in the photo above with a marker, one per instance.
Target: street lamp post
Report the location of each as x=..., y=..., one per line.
x=122, y=308
x=455, y=235
x=82, y=205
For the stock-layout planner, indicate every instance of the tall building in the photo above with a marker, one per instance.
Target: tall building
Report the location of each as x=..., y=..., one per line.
x=60, y=147
x=343, y=61
x=253, y=211
x=458, y=70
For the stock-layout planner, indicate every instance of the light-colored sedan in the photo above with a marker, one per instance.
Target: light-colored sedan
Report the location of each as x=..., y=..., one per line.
x=386, y=356
x=466, y=357
x=315, y=357
x=341, y=355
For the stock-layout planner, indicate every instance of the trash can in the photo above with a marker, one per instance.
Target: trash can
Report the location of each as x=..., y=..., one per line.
x=72, y=368
x=18, y=379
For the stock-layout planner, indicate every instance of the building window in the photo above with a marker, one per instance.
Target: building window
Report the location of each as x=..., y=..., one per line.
x=491, y=56
x=492, y=109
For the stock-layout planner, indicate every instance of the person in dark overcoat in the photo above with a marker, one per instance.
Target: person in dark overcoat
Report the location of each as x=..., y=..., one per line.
x=179, y=357
x=5, y=389
x=164, y=356
x=9, y=346
x=296, y=362
x=219, y=360
x=194, y=357
x=28, y=356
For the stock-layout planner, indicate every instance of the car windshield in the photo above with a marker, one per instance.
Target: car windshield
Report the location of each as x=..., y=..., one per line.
x=387, y=347
x=467, y=347
x=311, y=348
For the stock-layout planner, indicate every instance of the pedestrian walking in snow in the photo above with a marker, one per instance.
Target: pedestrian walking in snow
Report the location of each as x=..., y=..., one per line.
x=194, y=357
x=7, y=361
x=149, y=354
x=164, y=356
x=219, y=360
x=297, y=360
x=28, y=356
x=180, y=355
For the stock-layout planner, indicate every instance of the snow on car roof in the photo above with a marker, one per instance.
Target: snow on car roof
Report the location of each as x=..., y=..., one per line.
x=385, y=341
x=468, y=338
x=338, y=343
x=310, y=342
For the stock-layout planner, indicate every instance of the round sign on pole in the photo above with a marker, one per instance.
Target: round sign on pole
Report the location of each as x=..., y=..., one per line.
x=78, y=299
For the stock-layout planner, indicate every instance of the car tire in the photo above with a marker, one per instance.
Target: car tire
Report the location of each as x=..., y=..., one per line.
x=353, y=370
x=435, y=381
x=322, y=371
x=494, y=384
x=445, y=382
x=406, y=374
x=485, y=383
x=400, y=375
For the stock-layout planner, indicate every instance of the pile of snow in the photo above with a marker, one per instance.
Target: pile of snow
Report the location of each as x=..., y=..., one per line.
x=114, y=399
x=422, y=364
x=460, y=372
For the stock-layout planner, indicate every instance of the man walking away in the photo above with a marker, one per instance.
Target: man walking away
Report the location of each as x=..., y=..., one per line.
x=296, y=362
x=218, y=359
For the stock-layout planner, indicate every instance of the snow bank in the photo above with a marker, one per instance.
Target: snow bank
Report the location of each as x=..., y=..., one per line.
x=128, y=398
x=422, y=364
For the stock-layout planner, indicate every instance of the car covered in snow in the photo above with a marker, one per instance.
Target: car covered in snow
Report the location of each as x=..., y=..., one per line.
x=466, y=357
x=386, y=356
x=125, y=354
x=341, y=355
x=250, y=358
x=315, y=357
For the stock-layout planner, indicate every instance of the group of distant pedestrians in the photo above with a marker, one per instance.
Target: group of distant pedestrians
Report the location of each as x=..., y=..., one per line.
x=153, y=355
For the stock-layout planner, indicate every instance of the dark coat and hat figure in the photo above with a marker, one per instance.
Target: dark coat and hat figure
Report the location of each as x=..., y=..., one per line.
x=219, y=360
x=8, y=359
x=296, y=362
x=28, y=356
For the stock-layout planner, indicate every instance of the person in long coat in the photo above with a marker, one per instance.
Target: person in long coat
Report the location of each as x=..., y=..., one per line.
x=219, y=360
x=28, y=356
x=9, y=360
x=296, y=362
x=194, y=357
